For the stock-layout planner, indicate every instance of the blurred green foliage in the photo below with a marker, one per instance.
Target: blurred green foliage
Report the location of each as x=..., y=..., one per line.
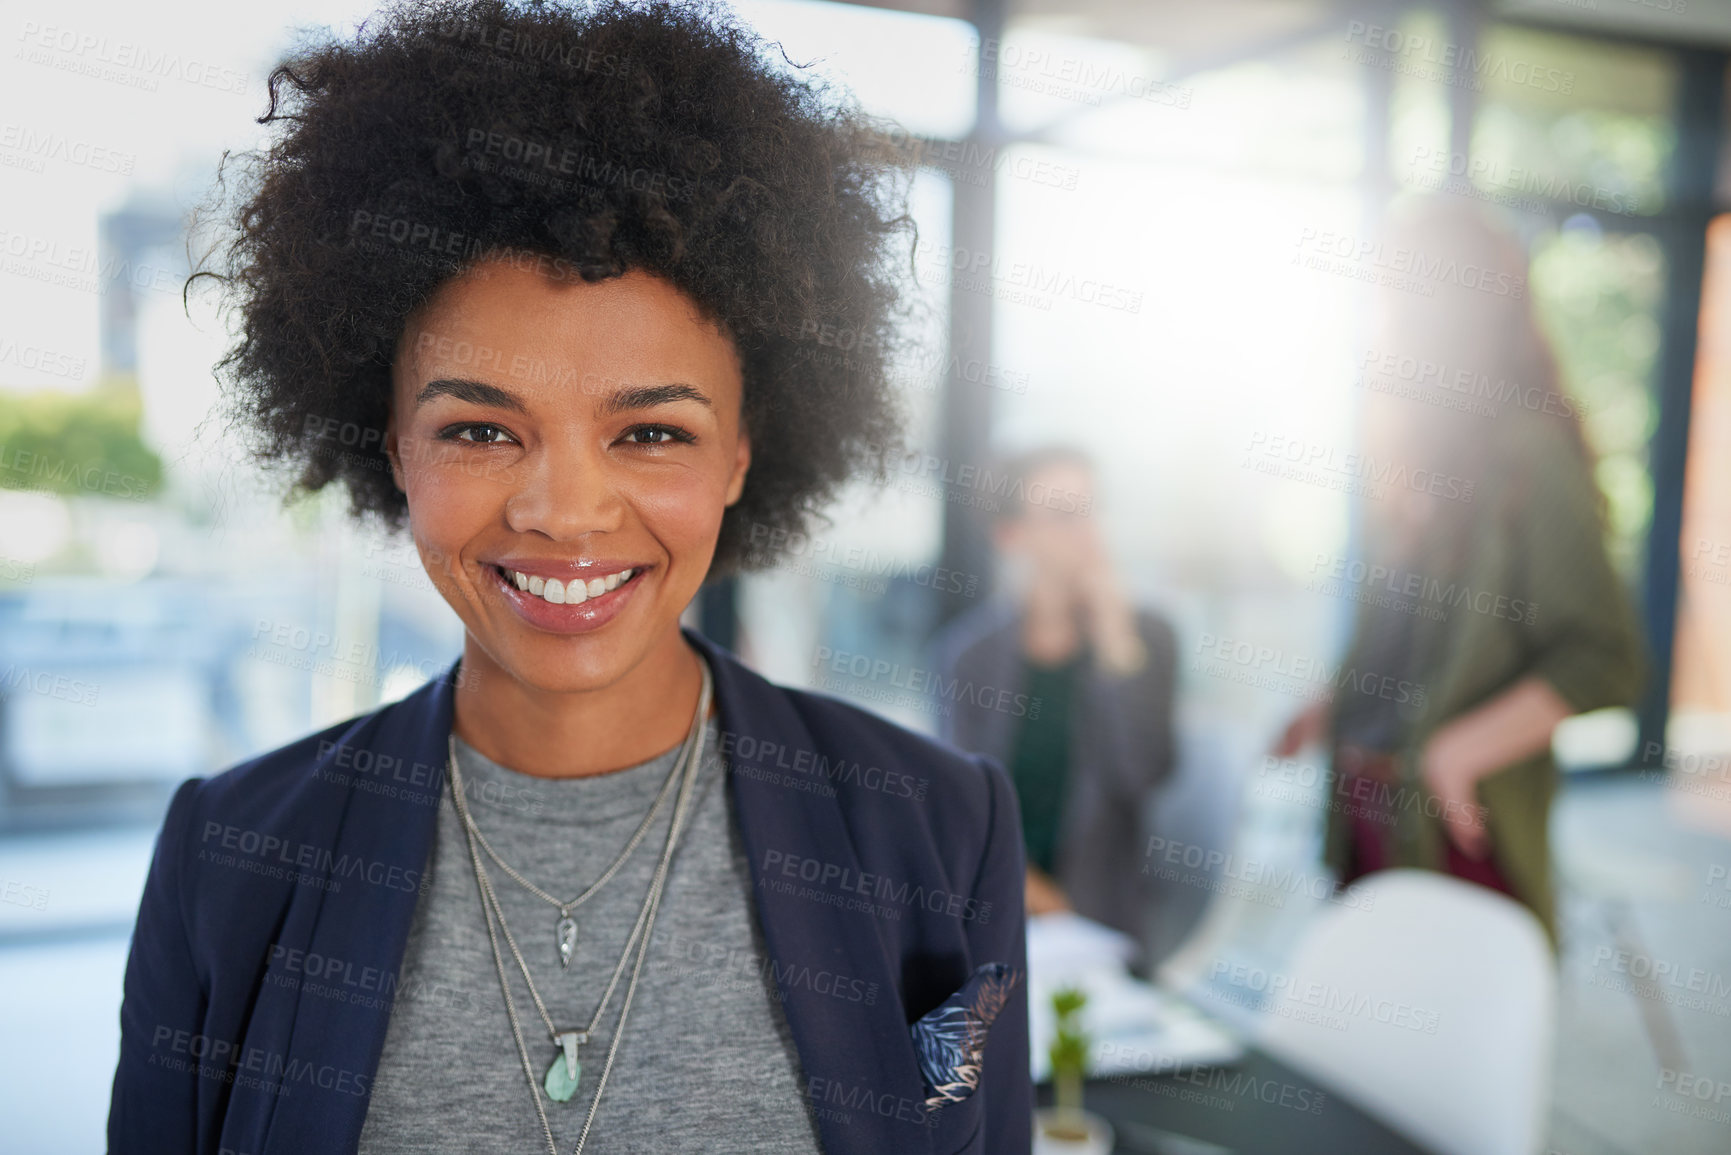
x=1598, y=299
x=1591, y=158
x=1601, y=140
x=77, y=443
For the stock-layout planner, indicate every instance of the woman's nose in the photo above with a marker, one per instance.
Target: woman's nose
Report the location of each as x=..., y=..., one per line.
x=565, y=491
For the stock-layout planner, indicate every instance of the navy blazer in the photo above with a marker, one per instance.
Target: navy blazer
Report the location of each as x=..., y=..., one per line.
x=874, y=851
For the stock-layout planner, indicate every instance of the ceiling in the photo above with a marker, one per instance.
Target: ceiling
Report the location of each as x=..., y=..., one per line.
x=1191, y=33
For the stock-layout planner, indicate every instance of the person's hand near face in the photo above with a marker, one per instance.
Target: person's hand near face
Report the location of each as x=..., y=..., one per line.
x=568, y=431
x=1106, y=610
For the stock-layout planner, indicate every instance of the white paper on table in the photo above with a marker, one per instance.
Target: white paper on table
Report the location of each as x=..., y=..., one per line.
x=1133, y=1026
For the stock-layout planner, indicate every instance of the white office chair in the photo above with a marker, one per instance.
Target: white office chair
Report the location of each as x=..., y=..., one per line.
x=1423, y=952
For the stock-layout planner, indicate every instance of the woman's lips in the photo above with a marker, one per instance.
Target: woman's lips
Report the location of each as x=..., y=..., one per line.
x=568, y=617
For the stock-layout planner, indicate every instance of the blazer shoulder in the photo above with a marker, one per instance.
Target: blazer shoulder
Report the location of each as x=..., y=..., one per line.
x=864, y=742
x=830, y=716
x=911, y=792
x=266, y=777
x=276, y=783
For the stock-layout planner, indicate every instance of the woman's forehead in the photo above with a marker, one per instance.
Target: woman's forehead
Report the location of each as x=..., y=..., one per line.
x=522, y=328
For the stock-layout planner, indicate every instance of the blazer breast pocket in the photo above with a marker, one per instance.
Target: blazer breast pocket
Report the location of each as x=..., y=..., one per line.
x=950, y=1042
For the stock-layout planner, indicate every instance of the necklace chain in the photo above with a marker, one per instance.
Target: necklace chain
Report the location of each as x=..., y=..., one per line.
x=565, y=908
x=686, y=767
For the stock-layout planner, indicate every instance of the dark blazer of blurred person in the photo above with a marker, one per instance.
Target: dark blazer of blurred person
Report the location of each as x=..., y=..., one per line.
x=1495, y=612
x=1095, y=735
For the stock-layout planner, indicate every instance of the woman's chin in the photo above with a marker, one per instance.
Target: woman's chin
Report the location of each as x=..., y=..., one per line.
x=572, y=663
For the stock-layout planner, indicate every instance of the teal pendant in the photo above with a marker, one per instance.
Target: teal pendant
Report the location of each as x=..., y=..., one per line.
x=562, y=1077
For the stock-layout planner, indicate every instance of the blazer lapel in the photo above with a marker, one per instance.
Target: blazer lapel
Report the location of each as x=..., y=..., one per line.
x=862, y=1077
x=327, y=1048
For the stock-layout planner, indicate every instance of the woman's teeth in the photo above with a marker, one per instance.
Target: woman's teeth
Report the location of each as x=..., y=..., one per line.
x=574, y=593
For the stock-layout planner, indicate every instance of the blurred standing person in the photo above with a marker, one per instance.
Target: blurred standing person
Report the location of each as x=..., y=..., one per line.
x=1098, y=674
x=1495, y=613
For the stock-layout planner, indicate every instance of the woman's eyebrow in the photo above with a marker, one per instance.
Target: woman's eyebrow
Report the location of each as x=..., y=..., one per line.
x=648, y=396
x=474, y=392
x=619, y=401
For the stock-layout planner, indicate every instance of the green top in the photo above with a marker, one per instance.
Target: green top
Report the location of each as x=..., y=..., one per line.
x=1536, y=540
x=1040, y=760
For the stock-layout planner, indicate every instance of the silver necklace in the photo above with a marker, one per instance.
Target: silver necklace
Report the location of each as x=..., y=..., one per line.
x=562, y=1076
x=565, y=930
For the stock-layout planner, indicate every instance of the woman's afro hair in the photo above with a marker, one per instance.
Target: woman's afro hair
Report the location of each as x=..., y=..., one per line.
x=599, y=138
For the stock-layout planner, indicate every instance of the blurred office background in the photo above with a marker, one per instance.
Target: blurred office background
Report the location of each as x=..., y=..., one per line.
x=1115, y=202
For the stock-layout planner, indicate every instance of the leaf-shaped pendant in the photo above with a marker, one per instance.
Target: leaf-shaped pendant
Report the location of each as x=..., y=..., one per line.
x=567, y=932
x=562, y=1077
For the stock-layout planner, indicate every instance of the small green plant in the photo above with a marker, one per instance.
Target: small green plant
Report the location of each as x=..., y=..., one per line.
x=1069, y=1054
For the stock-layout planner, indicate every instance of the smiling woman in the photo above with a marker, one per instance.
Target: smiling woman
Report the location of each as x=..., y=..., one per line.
x=537, y=284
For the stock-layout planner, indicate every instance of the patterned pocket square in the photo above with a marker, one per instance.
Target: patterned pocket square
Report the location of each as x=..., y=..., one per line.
x=951, y=1040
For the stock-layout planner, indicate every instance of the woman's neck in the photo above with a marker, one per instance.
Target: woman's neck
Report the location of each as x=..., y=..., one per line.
x=551, y=734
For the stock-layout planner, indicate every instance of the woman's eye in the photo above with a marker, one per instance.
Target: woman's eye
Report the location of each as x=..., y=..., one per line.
x=657, y=435
x=477, y=434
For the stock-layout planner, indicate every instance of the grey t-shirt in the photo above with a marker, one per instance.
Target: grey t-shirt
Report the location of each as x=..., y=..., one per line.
x=706, y=1064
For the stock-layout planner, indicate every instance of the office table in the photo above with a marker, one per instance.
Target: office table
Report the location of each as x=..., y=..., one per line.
x=1255, y=1106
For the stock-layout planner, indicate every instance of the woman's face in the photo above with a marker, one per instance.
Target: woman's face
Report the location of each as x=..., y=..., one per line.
x=1054, y=535
x=580, y=439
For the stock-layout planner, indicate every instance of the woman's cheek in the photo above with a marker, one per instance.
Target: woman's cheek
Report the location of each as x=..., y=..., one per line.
x=447, y=507
x=453, y=490
x=685, y=518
